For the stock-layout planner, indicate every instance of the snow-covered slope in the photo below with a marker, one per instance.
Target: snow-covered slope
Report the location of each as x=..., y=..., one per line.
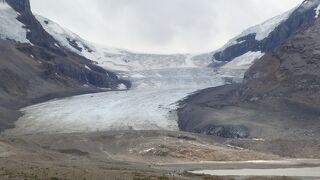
x=270, y=34
x=243, y=62
x=118, y=59
x=261, y=31
x=10, y=27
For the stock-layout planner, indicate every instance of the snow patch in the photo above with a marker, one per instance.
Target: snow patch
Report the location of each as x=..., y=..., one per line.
x=4, y=6
x=122, y=87
x=87, y=67
x=137, y=76
x=317, y=11
x=258, y=139
x=244, y=61
x=147, y=150
x=10, y=27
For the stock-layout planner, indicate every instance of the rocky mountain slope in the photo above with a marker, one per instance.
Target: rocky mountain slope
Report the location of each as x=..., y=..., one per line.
x=269, y=35
x=279, y=98
x=33, y=65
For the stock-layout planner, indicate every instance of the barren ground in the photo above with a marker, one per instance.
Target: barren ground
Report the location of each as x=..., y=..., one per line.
x=124, y=155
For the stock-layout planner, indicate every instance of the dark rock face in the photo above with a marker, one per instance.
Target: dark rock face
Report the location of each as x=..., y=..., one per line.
x=300, y=18
x=196, y=113
x=225, y=131
x=249, y=43
x=289, y=70
x=74, y=44
x=70, y=66
x=20, y=5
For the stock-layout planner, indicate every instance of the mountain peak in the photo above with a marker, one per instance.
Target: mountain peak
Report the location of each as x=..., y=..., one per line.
x=19, y=17
x=21, y=6
x=12, y=28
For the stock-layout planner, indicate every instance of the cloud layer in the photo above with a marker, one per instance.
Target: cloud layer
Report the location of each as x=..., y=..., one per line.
x=160, y=26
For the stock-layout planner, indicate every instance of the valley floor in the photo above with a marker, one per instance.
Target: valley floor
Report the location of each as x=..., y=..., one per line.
x=131, y=155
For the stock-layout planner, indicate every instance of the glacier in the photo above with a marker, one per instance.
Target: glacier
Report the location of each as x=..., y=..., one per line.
x=150, y=105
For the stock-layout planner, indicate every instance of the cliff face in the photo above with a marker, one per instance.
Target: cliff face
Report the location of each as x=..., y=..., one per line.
x=22, y=6
x=300, y=18
x=291, y=71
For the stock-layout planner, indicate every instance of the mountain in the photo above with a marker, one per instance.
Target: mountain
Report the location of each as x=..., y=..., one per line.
x=120, y=59
x=278, y=100
x=269, y=35
x=33, y=66
x=276, y=108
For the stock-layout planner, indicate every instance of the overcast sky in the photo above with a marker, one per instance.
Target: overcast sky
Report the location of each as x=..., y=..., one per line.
x=160, y=26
